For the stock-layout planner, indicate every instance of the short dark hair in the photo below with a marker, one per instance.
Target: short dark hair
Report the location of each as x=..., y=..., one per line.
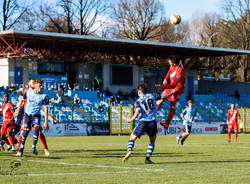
x=6, y=94
x=143, y=88
x=190, y=101
x=20, y=93
x=32, y=79
x=175, y=59
x=39, y=81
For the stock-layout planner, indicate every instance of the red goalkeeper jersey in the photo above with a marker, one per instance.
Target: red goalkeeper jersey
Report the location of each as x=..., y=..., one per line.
x=232, y=116
x=177, y=78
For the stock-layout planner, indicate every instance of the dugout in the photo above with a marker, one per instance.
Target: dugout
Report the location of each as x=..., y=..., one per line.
x=120, y=64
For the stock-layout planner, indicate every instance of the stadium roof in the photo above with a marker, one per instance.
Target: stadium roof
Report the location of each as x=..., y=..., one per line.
x=78, y=48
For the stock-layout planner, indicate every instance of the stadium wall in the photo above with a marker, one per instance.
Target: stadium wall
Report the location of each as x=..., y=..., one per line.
x=10, y=74
x=208, y=87
x=4, y=70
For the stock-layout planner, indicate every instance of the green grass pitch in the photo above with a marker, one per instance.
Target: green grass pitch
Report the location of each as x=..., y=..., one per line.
x=97, y=159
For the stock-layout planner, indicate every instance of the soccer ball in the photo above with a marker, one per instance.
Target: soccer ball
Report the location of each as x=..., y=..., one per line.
x=175, y=19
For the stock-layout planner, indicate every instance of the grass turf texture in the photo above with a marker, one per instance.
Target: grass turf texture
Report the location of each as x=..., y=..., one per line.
x=97, y=159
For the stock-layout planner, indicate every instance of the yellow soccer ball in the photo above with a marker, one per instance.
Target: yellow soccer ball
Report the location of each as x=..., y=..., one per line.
x=175, y=19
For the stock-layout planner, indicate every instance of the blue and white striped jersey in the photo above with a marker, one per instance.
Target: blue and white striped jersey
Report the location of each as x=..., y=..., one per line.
x=35, y=101
x=148, y=107
x=189, y=114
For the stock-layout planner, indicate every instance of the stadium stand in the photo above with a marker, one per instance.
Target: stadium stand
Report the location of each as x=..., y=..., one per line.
x=210, y=107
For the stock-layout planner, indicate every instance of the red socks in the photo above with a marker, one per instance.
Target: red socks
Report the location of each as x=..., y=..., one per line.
x=11, y=138
x=158, y=106
x=170, y=116
x=20, y=141
x=236, y=135
x=229, y=135
x=43, y=140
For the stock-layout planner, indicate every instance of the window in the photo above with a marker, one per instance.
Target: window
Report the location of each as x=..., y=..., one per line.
x=121, y=75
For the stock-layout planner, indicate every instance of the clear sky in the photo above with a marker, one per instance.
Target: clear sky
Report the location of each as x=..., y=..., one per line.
x=187, y=8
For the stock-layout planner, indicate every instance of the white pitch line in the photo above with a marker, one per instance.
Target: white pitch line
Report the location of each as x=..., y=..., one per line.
x=63, y=174
x=243, y=147
x=92, y=165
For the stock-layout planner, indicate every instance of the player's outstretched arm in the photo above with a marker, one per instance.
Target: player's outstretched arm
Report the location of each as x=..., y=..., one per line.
x=158, y=86
x=46, y=125
x=19, y=106
x=136, y=114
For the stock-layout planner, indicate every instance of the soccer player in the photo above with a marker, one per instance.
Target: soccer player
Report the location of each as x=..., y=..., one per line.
x=31, y=85
x=19, y=117
x=172, y=91
x=188, y=116
x=146, y=109
x=8, y=123
x=32, y=115
x=232, y=122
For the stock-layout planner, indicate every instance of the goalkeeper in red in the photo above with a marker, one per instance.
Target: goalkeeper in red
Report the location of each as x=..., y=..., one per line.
x=172, y=91
x=232, y=122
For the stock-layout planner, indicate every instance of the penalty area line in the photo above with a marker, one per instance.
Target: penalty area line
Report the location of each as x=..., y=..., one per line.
x=100, y=166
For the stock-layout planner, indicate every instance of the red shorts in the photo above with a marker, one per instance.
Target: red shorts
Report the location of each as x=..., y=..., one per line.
x=174, y=97
x=5, y=129
x=233, y=126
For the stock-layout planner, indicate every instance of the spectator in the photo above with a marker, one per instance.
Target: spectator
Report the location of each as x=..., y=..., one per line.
x=12, y=88
x=96, y=83
x=119, y=93
x=125, y=97
x=77, y=100
x=118, y=100
x=69, y=92
x=107, y=92
x=51, y=87
x=112, y=100
x=237, y=94
x=189, y=96
x=133, y=93
x=100, y=108
x=59, y=99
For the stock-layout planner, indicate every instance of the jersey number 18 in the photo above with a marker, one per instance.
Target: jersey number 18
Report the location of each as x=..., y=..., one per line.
x=148, y=104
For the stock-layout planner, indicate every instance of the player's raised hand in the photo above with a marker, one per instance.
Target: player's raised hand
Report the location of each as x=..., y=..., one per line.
x=20, y=99
x=158, y=86
x=46, y=126
x=129, y=120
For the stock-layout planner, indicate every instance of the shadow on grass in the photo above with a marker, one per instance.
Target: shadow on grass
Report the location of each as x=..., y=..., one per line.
x=108, y=153
x=205, y=162
x=84, y=150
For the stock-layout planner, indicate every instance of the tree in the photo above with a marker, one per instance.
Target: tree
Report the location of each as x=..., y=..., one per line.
x=67, y=14
x=74, y=17
x=174, y=34
x=88, y=12
x=12, y=11
x=51, y=20
x=204, y=30
x=235, y=31
x=137, y=19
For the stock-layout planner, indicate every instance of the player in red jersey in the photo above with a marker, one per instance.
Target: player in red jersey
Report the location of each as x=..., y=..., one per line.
x=232, y=122
x=42, y=137
x=172, y=91
x=8, y=123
